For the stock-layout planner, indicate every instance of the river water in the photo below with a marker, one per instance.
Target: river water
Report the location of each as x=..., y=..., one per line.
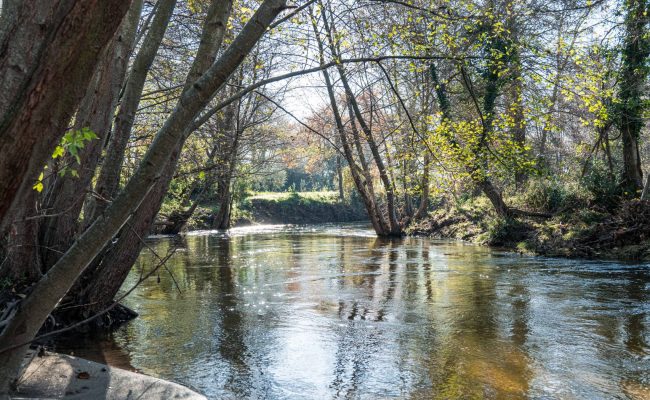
x=323, y=312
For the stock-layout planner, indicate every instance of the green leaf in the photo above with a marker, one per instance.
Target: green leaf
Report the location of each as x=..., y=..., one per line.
x=89, y=135
x=58, y=152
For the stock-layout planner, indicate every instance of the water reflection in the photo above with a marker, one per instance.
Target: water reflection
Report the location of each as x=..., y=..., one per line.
x=334, y=312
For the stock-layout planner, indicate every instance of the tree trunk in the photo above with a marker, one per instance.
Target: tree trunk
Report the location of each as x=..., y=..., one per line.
x=339, y=174
x=108, y=181
x=394, y=226
x=633, y=76
x=22, y=261
x=100, y=283
x=369, y=185
x=62, y=53
x=361, y=185
x=222, y=219
x=66, y=197
x=47, y=292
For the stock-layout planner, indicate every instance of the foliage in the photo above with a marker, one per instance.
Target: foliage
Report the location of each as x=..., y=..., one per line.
x=70, y=147
x=552, y=196
x=602, y=186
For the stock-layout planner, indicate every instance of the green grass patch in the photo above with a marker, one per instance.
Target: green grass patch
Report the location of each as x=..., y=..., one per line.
x=330, y=197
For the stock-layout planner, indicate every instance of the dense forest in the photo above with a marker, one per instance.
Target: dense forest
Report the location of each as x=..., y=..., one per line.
x=519, y=123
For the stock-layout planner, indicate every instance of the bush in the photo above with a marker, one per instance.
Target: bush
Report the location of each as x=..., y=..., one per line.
x=502, y=231
x=604, y=189
x=551, y=196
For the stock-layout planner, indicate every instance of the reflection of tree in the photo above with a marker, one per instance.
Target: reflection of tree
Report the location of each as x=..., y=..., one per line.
x=635, y=322
x=463, y=352
x=393, y=254
x=426, y=266
x=412, y=269
x=520, y=312
x=356, y=342
x=232, y=347
x=355, y=346
x=374, y=265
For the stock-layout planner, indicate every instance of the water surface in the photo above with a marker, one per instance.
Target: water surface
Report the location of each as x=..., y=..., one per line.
x=321, y=312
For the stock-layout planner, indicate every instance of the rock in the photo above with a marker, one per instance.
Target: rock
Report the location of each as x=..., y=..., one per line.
x=57, y=376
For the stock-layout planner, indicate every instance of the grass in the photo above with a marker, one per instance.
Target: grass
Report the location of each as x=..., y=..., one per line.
x=324, y=196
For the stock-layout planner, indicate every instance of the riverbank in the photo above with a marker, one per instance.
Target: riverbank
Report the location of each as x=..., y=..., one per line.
x=285, y=208
x=58, y=376
x=589, y=233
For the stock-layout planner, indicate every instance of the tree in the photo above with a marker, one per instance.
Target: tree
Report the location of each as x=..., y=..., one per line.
x=50, y=51
x=634, y=72
x=58, y=280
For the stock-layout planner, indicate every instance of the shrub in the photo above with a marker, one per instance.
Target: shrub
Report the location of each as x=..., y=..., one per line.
x=552, y=196
x=544, y=195
x=604, y=189
x=502, y=231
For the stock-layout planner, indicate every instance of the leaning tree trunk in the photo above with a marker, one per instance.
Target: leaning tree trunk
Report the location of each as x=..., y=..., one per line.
x=63, y=45
x=633, y=76
x=47, y=292
x=394, y=226
x=362, y=185
x=108, y=180
x=64, y=200
x=474, y=169
x=99, y=285
x=368, y=184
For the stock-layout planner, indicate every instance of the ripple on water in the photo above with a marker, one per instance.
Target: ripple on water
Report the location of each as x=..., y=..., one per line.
x=331, y=311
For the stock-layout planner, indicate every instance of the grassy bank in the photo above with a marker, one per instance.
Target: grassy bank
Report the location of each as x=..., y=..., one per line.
x=578, y=226
x=286, y=208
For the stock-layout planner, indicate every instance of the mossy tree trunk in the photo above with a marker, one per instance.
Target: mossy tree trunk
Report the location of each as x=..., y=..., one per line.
x=634, y=72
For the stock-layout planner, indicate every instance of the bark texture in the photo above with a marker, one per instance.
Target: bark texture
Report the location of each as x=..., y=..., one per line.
x=42, y=89
x=66, y=196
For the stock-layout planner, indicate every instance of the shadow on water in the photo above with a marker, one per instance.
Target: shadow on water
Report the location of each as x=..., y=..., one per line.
x=334, y=312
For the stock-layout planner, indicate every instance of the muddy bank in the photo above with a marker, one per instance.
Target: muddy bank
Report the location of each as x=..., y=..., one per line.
x=580, y=233
x=57, y=376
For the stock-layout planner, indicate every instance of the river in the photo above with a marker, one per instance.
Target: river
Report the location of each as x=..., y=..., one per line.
x=321, y=312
